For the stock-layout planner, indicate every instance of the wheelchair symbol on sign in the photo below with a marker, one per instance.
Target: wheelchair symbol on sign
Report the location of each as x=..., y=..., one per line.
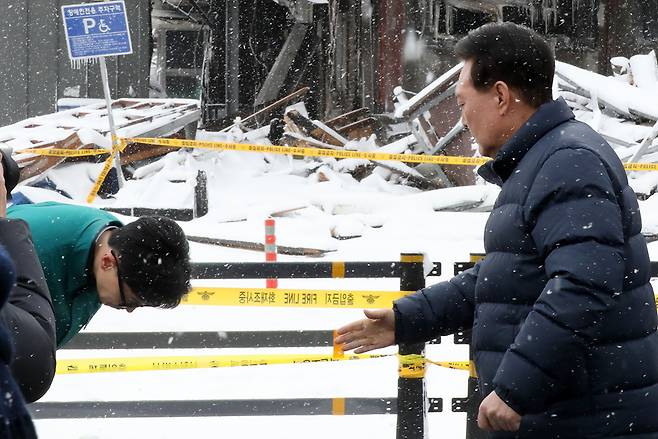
x=103, y=27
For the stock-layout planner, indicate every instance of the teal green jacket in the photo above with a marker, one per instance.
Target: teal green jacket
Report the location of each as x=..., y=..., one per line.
x=64, y=237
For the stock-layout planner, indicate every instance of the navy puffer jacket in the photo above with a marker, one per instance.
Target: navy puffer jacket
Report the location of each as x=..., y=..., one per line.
x=563, y=315
x=15, y=421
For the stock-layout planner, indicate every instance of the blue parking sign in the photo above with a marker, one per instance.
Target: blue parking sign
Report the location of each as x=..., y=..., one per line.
x=96, y=29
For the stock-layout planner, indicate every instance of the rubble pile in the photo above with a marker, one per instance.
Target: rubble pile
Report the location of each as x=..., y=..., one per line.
x=621, y=107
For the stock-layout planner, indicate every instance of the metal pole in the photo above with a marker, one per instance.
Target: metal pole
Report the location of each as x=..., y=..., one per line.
x=110, y=117
x=412, y=400
x=471, y=404
x=200, y=195
x=232, y=57
x=270, y=249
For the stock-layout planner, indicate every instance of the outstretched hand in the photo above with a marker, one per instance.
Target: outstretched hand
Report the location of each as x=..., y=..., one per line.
x=374, y=332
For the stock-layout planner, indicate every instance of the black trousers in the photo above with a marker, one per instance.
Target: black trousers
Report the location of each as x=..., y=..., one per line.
x=28, y=315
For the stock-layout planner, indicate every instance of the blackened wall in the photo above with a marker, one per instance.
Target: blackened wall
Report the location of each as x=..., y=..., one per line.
x=35, y=70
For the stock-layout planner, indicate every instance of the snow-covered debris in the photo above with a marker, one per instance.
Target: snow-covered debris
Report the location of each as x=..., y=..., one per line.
x=644, y=71
x=132, y=117
x=622, y=108
x=616, y=96
x=87, y=127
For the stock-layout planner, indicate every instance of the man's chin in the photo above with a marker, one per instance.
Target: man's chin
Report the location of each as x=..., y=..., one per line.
x=487, y=151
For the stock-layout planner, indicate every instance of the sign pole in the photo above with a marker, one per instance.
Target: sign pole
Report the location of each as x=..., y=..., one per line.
x=110, y=118
x=93, y=31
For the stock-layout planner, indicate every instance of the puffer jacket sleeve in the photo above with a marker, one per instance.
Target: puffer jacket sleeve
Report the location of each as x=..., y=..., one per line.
x=440, y=309
x=576, y=223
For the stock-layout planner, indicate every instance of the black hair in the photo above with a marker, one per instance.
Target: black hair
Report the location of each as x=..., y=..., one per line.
x=511, y=53
x=154, y=260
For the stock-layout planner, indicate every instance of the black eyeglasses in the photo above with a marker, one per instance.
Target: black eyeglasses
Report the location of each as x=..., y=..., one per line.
x=124, y=304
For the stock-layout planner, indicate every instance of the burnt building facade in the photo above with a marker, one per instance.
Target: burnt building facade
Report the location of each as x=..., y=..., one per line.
x=35, y=70
x=240, y=55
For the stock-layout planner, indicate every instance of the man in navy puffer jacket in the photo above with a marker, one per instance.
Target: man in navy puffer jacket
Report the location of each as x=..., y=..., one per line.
x=562, y=312
x=15, y=422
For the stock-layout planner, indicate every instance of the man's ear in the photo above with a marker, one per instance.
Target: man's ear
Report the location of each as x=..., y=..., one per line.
x=107, y=261
x=503, y=97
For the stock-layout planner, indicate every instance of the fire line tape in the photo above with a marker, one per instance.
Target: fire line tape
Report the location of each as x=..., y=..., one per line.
x=292, y=297
x=140, y=364
x=221, y=296
x=134, y=364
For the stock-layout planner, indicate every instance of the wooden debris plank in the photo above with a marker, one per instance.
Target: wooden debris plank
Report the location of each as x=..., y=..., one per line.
x=257, y=118
x=307, y=126
x=448, y=138
x=168, y=128
x=285, y=212
x=293, y=139
x=338, y=122
x=137, y=152
x=298, y=123
x=359, y=129
x=440, y=89
x=36, y=165
x=428, y=130
x=410, y=174
x=257, y=246
x=325, y=133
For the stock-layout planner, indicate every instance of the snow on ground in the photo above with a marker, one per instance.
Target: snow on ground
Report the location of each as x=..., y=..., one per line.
x=243, y=190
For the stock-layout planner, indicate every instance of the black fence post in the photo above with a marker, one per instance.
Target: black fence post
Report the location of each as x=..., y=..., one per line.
x=412, y=400
x=470, y=404
x=200, y=195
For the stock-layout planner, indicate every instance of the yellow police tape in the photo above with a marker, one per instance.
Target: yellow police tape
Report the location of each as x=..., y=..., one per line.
x=58, y=152
x=299, y=151
x=136, y=364
x=641, y=166
x=337, y=153
x=292, y=297
x=276, y=149
x=413, y=365
x=117, y=147
x=101, y=178
x=224, y=296
x=310, y=152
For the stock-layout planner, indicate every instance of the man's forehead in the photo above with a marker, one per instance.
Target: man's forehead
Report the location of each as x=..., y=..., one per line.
x=466, y=69
x=462, y=82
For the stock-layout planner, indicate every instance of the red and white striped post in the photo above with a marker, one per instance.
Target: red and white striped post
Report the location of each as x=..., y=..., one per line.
x=270, y=250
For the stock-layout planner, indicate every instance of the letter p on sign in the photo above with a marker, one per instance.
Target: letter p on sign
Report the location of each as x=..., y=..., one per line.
x=88, y=23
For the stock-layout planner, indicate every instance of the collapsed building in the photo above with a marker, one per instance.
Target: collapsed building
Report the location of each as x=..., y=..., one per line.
x=379, y=72
x=238, y=56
